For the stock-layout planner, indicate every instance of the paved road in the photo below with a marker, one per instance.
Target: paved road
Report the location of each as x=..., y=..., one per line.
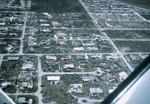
x=41, y=73
x=119, y=53
x=94, y=20
x=139, y=15
x=23, y=32
x=130, y=39
x=1, y=59
x=9, y=4
x=112, y=43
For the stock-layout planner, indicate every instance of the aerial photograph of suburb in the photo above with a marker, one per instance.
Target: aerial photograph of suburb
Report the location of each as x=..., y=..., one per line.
x=74, y=51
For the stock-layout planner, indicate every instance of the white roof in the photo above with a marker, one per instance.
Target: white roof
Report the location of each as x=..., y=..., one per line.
x=123, y=75
x=53, y=78
x=96, y=90
x=78, y=48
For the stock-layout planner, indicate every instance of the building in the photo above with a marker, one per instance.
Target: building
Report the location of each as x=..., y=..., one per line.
x=27, y=66
x=66, y=66
x=5, y=84
x=60, y=34
x=24, y=100
x=78, y=49
x=50, y=57
x=96, y=91
x=12, y=58
x=53, y=79
x=88, y=78
x=123, y=75
x=76, y=88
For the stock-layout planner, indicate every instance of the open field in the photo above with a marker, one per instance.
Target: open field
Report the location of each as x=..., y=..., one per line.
x=129, y=24
x=146, y=17
x=130, y=34
x=133, y=46
x=57, y=6
x=140, y=3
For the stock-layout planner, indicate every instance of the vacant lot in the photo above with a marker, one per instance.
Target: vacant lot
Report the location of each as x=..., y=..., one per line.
x=57, y=6
x=146, y=16
x=133, y=46
x=141, y=3
x=129, y=24
x=130, y=34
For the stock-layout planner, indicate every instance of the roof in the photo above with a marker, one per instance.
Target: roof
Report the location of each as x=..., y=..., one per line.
x=26, y=58
x=78, y=48
x=60, y=34
x=12, y=58
x=51, y=57
x=53, y=78
x=123, y=75
x=88, y=78
x=81, y=57
x=27, y=66
x=96, y=90
x=21, y=99
x=68, y=66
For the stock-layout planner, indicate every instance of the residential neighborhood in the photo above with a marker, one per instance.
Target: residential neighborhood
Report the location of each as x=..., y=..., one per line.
x=69, y=51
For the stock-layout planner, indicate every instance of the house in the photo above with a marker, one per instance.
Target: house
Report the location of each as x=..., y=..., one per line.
x=26, y=58
x=111, y=90
x=27, y=85
x=2, y=42
x=123, y=75
x=82, y=57
x=96, y=91
x=44, y=24
x=64, y=49
x=97, y=56
x=5, y=84
x=47, y=30
x=88, y=43
x=32, y=43
x=76, y=88
x=2, y=23
x=88, y=78
x=25, y=76
x=60, y=34
x=92, y=48
x=76, y=43
x=12, y=58
x=27, y=66
x=66, y=66
x=41, y=20
x=13, y=34
x=110, y=57
x=55, y=23
x=50, y=57
x=66, y=57
x=49, y=15
x=53, y=79
x=31, y=38
x=108, y=77
x=24, y=100
x=78, y=49
x=99, y=70
x=62, y=42
x=9, y=48
x=135, y=58
x=53, y=67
